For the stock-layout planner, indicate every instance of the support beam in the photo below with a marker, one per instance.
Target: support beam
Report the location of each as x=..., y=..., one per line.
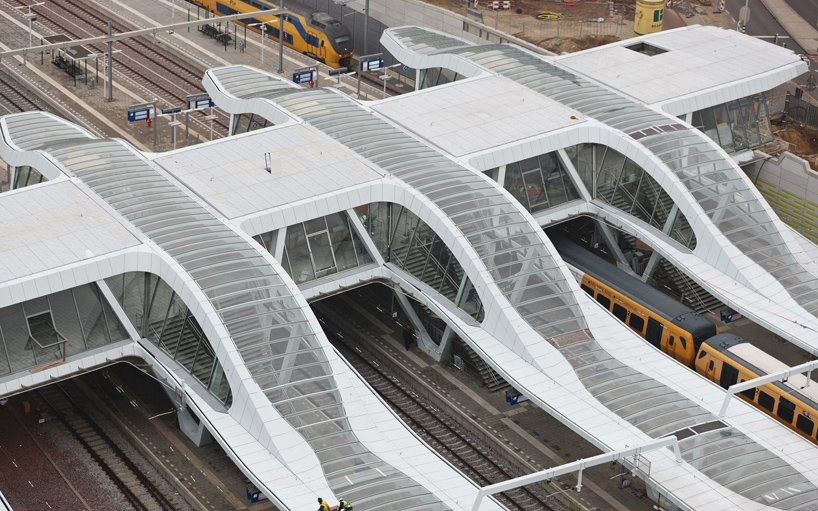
x=762, y=380
x=655, y=257
x=364, y=236
x=577, y=466
x=574, y=176
x=613, y=246
x=423, y=340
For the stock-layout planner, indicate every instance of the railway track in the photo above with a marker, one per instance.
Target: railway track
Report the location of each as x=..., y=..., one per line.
x=14, y=97
x=440, y=431
x=145, y=63
x=136, y=488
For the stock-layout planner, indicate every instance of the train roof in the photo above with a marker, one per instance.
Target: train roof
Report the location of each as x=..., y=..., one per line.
x=742, y=352
x=633, y=288
x=294, y=7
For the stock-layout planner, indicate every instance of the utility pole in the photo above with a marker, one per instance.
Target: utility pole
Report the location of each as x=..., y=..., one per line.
x=281, y=41
x=110, y=64
x=366, y=26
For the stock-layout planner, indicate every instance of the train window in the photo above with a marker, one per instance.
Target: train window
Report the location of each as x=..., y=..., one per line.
x=766, y=401
x=587, y=289
x=804, y=424
x=636, y=322
x=749, y=393
x=620, y=312
x=713, y=365
x=604, y=301
x=684, y=343
x=670, y=341
x=786, y=410
x=702, y=353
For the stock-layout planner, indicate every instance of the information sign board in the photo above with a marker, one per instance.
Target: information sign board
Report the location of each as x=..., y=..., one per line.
x=304, y=76
x=140, y=114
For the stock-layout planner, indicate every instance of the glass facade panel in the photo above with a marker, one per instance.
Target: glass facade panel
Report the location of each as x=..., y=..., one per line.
x=737, y=125
x=92, y=316
x=33, y=333
x=540, y=183
x=416, y=249
x=623, y=184
x=325, y=246
x=437, y=76
x=66, y=320
x=244, y=123
x=20, y=177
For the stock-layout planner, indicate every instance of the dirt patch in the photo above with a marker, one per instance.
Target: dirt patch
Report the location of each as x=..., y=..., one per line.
x=802, y=139
x=572, y=44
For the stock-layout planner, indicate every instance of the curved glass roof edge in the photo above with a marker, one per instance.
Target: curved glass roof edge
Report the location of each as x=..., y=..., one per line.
x=103, y=148
x=675, y=418
x=647, y=115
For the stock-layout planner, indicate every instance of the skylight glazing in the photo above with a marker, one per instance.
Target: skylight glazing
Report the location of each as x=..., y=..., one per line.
x=406, y=241
x=616, y=180
x=506, y=243
x=268, y=327
x=714, y=181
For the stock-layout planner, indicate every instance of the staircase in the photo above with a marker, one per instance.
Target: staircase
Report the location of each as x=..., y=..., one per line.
x=491, y=380
x=693, y=295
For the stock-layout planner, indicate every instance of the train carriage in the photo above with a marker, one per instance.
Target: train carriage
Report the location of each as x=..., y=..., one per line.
x=728, y=359
x=669, y=325
x=306, y=30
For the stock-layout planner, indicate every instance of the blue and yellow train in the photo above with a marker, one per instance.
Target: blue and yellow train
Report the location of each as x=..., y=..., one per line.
x=306, y=30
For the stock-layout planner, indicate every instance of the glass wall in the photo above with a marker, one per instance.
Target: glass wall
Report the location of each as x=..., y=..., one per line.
x=407, y=242
x=159, y=315
x=616, y=180
x=12, y=178
x=243, y=123
x=437, y=76
x=540, y=183
x=319, y=247
x=34, y=333
x=736, y=125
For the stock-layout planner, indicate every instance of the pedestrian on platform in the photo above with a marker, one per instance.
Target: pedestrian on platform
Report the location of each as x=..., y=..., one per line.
x=344, y=505
x=408, y=337
x=322, y=505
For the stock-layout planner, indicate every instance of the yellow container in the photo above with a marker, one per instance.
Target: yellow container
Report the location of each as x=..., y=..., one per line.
x=648, y=18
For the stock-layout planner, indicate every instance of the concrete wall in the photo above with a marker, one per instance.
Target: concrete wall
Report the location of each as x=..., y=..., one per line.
x=791, y=187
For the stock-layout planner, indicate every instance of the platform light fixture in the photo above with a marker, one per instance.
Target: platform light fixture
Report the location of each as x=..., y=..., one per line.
x=31, y=17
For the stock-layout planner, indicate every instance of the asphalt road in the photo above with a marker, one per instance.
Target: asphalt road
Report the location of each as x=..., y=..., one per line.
x=762, y=23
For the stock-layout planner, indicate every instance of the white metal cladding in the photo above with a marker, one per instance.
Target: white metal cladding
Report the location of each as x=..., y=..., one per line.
x=271, y=332
x=715, y=182
x=495, y=228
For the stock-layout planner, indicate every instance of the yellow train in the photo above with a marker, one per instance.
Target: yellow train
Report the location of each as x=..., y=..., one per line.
x=306, y=30
x=667, y=324
x=727, y=359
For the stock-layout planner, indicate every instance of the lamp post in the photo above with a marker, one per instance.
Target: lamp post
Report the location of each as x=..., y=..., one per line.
x=30, y=16
x=263, y=25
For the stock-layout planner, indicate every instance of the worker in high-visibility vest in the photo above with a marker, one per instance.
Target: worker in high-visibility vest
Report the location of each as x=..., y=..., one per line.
x=322, y=505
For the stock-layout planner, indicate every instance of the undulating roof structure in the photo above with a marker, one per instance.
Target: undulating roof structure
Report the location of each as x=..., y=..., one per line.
x=201, y=262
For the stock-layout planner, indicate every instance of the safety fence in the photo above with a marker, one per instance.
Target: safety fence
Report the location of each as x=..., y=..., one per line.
x=798, y=109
